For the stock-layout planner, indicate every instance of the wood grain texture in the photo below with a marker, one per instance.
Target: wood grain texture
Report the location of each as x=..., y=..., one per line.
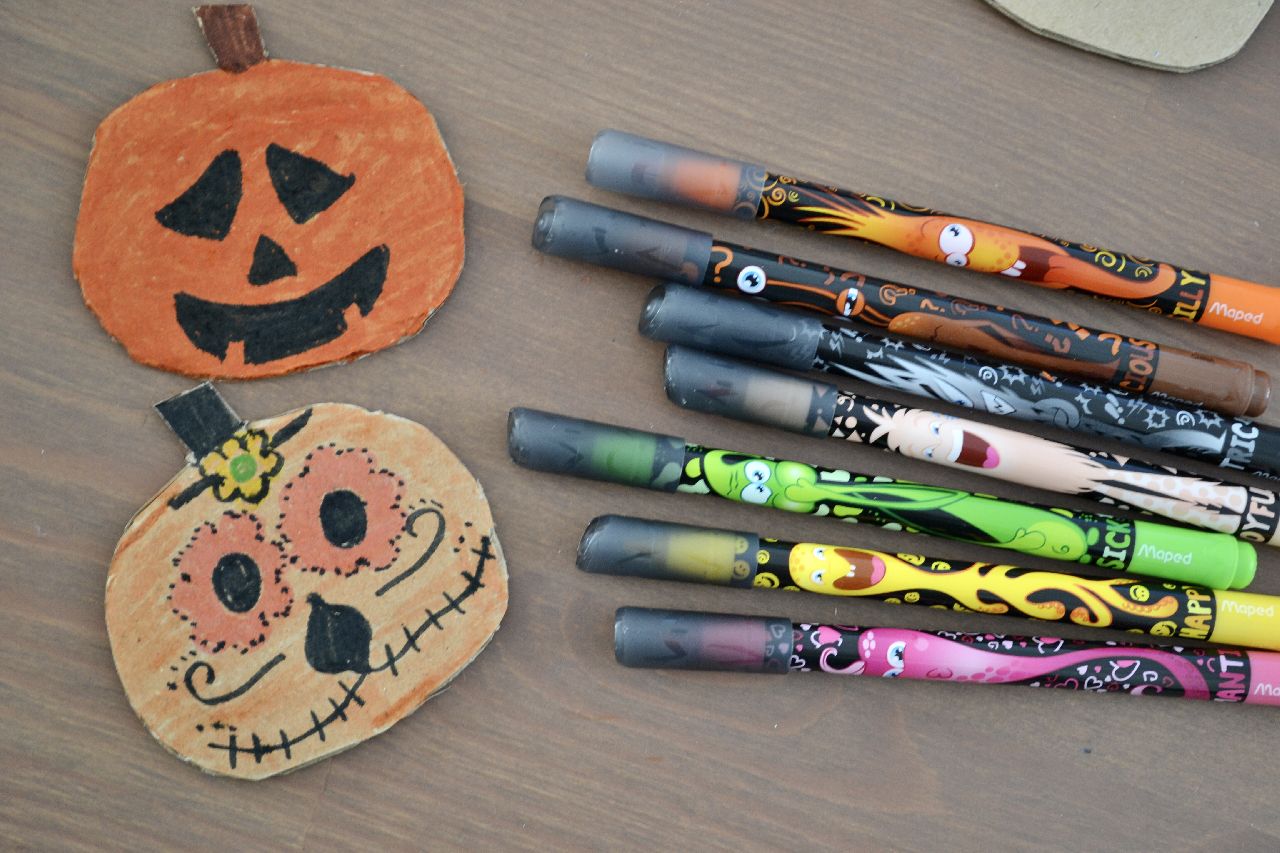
x=545, y=740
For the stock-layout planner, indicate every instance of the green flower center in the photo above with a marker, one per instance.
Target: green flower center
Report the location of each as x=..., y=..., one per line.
x=243, y=467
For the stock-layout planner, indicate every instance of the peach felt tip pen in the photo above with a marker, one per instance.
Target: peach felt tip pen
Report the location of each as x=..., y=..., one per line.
x=658, y=170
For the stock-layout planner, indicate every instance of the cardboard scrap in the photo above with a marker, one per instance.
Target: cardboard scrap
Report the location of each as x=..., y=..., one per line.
x=1172, y=35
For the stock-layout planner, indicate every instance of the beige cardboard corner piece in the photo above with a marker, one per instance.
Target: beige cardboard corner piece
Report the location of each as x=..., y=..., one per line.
x=304, y=583
x=1171, y=35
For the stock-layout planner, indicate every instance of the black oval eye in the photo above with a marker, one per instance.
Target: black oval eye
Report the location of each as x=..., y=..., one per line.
x=237, y=582
x=343, y=519
x=304, y=185
x=208, y=207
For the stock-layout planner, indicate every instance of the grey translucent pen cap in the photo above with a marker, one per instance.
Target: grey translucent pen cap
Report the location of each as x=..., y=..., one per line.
x=648, y=168
x=734, y=389
x=638, y=547
x=685, y=639
x=588, y=232
x=742, y=328
x=561, y=445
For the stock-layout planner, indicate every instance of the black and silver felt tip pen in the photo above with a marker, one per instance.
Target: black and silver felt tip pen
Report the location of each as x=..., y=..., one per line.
x=679, y=314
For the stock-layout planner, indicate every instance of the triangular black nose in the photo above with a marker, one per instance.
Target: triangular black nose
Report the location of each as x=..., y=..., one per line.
x=338, y=637
x=270, y=262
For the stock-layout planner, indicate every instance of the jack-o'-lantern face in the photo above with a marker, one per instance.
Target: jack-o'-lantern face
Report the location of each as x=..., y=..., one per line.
x=258, y=223
x=312, y=579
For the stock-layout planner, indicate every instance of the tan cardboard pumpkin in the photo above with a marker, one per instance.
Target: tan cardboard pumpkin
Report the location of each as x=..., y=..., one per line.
x=304, y=583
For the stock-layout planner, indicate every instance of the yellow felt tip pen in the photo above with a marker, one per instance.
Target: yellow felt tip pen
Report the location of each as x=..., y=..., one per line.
x=637, y=547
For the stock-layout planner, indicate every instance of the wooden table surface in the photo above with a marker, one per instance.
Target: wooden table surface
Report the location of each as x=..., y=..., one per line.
x=545, y=740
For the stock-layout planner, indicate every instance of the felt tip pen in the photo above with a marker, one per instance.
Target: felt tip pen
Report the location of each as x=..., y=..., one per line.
x=743, y=328
x=684, y=639
x=563, y=445
x=722, y=386
x=658, y=170
x=637, y=547
x=580, y=230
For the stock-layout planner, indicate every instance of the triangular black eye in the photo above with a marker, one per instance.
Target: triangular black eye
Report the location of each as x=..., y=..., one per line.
x=304, y=186
x=208, y=206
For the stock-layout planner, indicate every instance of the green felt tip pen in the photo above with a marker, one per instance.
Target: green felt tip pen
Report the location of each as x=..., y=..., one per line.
x=563, y=445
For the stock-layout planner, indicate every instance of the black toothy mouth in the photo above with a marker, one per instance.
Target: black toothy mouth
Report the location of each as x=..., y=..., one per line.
x=340, y=708
x=281, y=329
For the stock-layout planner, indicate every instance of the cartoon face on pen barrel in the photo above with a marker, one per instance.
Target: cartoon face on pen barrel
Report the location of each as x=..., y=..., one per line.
x=797, y=487
x=1037, y=661
x=758, y=480
x=933, y=437
x=898, y=652
x=301, y=588
x=975, y=245
x=832, y=570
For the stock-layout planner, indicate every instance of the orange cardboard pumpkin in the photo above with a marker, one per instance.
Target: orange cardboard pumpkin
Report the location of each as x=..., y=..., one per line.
x=307, y=581
x=268, y=216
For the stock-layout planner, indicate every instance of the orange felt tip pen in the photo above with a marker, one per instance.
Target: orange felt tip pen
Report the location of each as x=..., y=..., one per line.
x=658, y=170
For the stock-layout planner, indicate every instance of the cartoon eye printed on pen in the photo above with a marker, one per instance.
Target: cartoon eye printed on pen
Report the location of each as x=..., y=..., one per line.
x=935, y=429
x=756, y=491
x=849, y=302
x=894, y=657
x=752, y=279
x=818, y=575
x=956, y=242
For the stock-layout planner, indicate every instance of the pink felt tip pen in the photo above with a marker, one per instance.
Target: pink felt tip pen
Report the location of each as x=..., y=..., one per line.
x=681, y=639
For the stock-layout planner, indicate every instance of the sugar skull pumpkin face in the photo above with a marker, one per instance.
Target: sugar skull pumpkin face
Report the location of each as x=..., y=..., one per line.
x=311, y=580
x=257, y=223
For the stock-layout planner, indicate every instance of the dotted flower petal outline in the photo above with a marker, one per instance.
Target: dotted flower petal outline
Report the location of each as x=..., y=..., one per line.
x=330, y=473
x=230, y=586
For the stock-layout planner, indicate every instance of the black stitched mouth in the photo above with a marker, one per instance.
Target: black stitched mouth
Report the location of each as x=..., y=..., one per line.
x=350, y=694
x=281, y=329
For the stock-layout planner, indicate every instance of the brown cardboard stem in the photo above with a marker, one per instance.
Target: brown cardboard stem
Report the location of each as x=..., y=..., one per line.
x=232, y=34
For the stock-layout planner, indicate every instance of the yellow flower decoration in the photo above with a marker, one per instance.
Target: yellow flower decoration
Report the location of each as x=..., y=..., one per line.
x=242, y=468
